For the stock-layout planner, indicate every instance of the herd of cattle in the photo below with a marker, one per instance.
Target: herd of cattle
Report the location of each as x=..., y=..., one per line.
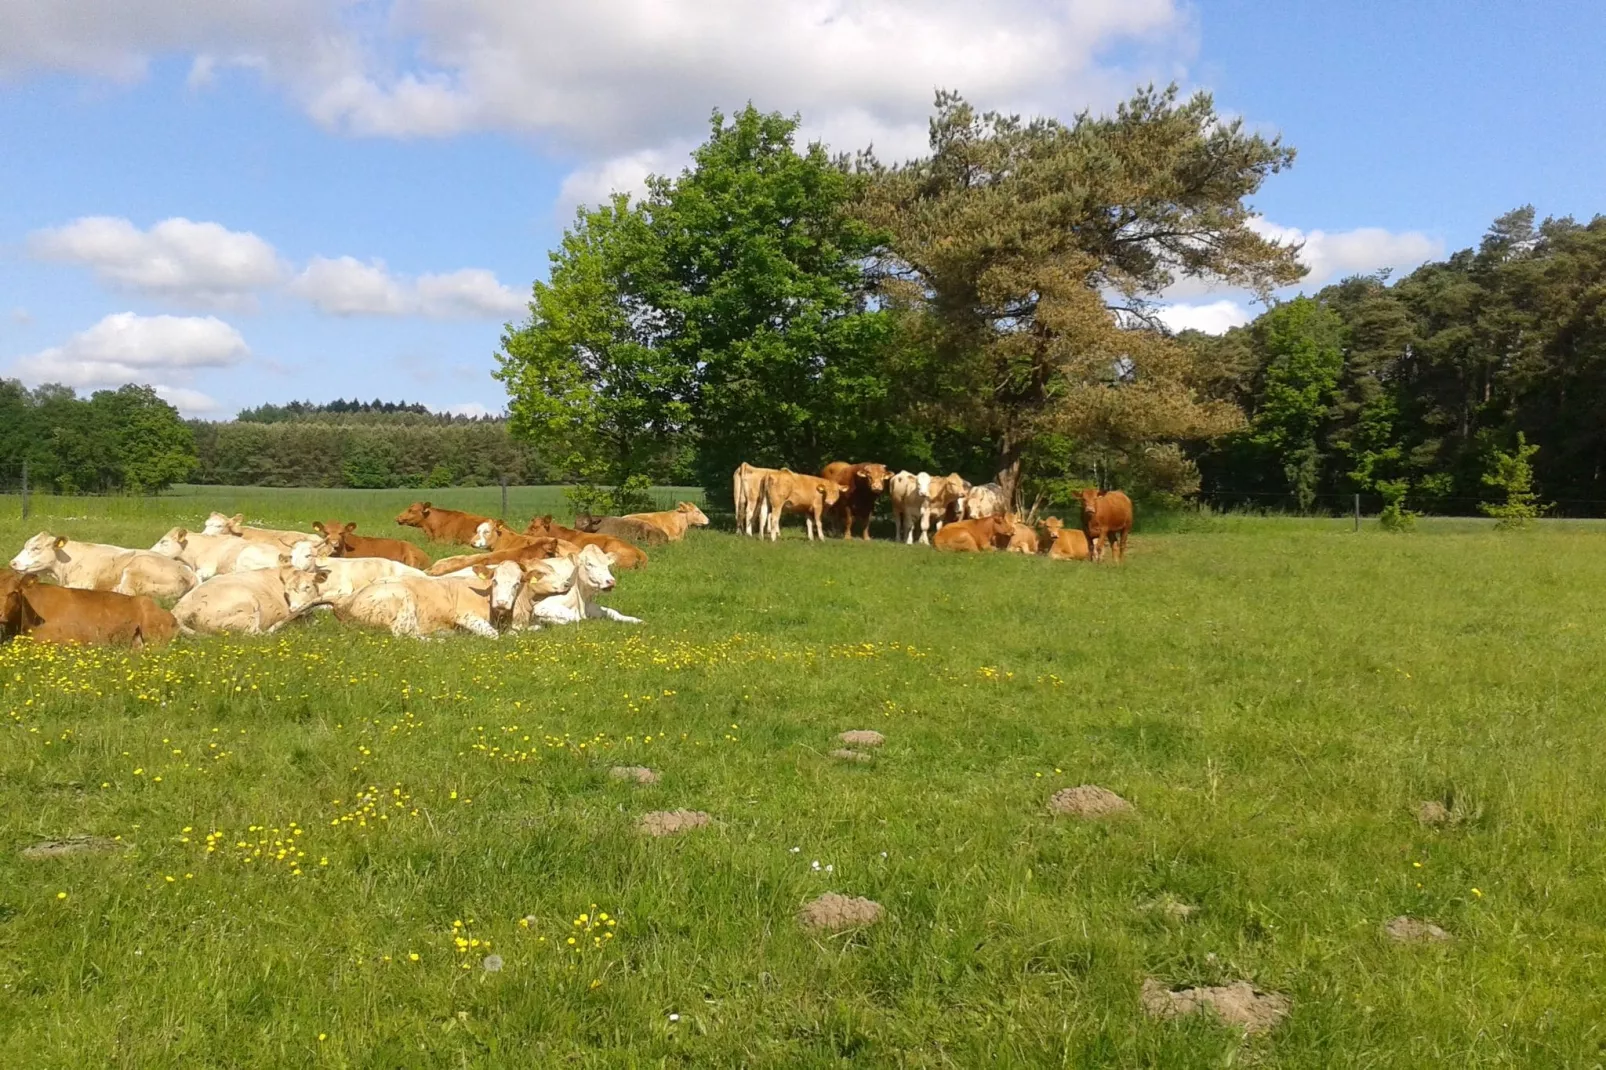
x=967, y=518
x=231, y=578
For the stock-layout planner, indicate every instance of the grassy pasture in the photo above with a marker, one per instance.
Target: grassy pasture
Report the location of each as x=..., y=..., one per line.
x=1275, y=697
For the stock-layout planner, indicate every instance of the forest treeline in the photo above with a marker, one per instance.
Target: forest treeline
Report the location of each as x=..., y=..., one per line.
x=1417, y=389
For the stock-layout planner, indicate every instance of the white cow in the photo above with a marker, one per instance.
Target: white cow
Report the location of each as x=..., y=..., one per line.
x=94, y=566
x=249, y=603
x=422, y=606
x=218, y=524
x=584, y=576
x=924, y=498
x=984, y=500
x=347, y=575
x=216, y=555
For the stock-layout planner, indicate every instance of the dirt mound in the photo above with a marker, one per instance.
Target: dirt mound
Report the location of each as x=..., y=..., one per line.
x=1088, y=800
x=862, y=737
x=833, y=913
x=846, y=755
x=72, y=845
x=1239, y=1004
x=639, y=773
x=670, y=822
x=1170, y=907
x=1433, y=814
x=1406, y=930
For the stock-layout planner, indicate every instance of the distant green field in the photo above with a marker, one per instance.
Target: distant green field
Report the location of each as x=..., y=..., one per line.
x=300, y=815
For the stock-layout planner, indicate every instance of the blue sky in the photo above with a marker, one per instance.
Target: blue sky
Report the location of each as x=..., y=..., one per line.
x=261, y=200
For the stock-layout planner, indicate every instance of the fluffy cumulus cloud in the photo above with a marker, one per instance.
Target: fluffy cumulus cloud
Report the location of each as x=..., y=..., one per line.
x=1214, y=317
x=622, y=84
x=190, y=263
x=345, y=286
x=472, y=409
x=127, y=348
x=1334, y=256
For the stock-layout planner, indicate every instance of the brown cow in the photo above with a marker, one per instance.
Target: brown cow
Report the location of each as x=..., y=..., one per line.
x=637, y=531
x=1106, y=518
x=343, y=542
x=441, y=525
x=65, y=615
x=1023, y=539
x=526, y=553
x=974, y=536
x=861, y=484
x=1064, y=544
x=790, y=492
x=623, y=553
x=673, y=522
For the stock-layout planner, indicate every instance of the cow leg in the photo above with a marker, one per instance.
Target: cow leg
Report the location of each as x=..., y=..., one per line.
x=596, y=610
x=476, y=625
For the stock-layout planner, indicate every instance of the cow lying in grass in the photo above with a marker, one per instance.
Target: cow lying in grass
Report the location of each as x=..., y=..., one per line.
x=975, y=536
x=345, y=575
x=674, y=522
x=524, y=549
x=93, y=566
x=425, y=606
x=345, y=542
x=635, y=531
x=587, y=575
x=217, y=555
x=218, y=524
x=624, y=554
x=249, y=603
x=64, y=615
x=441, y=525
x=1064, y=544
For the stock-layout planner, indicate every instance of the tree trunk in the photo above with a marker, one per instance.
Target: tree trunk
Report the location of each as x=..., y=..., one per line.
x=1009, y=472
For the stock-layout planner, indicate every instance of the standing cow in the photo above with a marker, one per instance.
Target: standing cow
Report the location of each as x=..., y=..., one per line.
x=1106, y=518
x=861, y=485
x=792, y=492
x=747, y=486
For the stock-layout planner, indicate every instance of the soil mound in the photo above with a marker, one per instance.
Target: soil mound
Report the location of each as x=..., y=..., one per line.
x=72, y=845
x=1088, y=800
x=639, y=773
x=1239, y=1004
x=833, y=913
x=1404, y=930
x=671, y=822
x=862, y=737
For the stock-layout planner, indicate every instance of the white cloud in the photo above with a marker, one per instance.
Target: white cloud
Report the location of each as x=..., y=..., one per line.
x=472, y=409
x=348, y=287
x=189, y=402
x=595, y=183
x=1217, y=317
x=164, y=351
x=189, y=263
x=1351, y=252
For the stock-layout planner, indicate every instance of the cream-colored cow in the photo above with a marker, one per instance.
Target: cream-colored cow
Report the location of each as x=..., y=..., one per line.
x=923, y=498
x=218, y=524
x=347, y=575
x=747, y=492
x=249, y=603
x=94, y=566
x=424, y=606
x=216, y=555
x=580, y=578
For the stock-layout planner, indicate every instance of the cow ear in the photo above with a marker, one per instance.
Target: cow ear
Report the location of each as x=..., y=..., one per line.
x=61, y=540
x=349, y=528
x=317, y=525
x=482, y=571
x=28, y=579
x=320, y=574
x=237, y=519
x=427, y=507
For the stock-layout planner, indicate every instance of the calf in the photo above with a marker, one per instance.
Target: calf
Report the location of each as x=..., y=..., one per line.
x=216, y=555
x=65, y=615
x=674, y=522
x=789, y=492
x=346, y=543
x=623, y=553
x=441, y=525
x=249, y=603
x=1106, y=519
x=861, y=485
x=526, y=553
x=747, y=494
x=93, y=566
x=423, y=606
x=1022, y=537
x=975, y=536
x=1064, y=544
x=218, y=524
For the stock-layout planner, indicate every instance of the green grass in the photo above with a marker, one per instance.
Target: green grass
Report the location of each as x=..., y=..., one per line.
x=1275, y=697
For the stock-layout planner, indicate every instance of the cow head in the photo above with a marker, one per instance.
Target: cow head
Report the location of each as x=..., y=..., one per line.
x=218, y=524
x=334, y=536
x=874, y=476
x=40, y=553
x=1002, y=529
x=173, y=543
x=301, y=586
x=11, y=604
x=305, y=553
x=694, y=515
x=539, y=525
x=831, y=491
x=552, y=576
x=505, y=578
x=486, y=534
x=413, y=516
x=1090, y=502
x=594, y=568
x=1052, y=526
